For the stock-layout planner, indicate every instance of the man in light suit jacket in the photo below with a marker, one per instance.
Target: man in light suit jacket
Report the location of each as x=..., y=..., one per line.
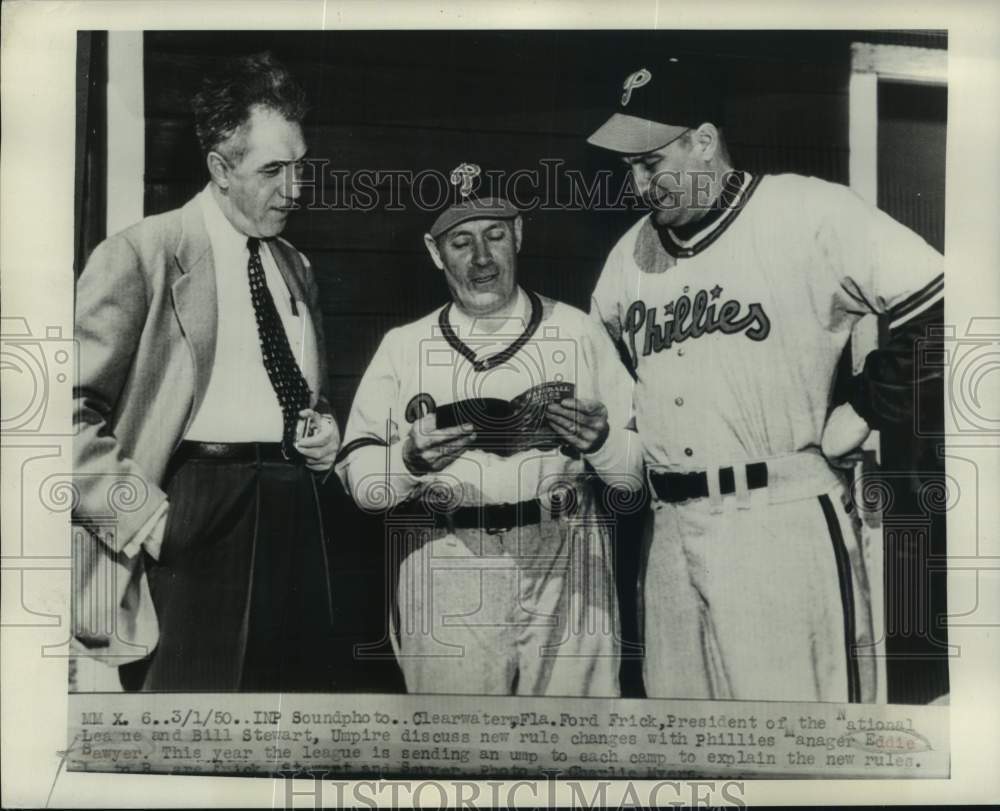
x=202, y=417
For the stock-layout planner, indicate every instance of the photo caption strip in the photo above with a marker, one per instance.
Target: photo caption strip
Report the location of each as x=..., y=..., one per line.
x=364, y=735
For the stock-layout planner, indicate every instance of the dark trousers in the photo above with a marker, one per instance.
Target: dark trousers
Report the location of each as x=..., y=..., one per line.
x=242, y=584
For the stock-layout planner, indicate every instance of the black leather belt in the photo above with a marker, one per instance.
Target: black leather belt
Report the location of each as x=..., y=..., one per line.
x=493, y=517
x=675, y=487
x=229, y=452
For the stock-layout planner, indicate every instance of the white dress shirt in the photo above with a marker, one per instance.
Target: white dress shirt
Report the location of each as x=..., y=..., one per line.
x=240, y=404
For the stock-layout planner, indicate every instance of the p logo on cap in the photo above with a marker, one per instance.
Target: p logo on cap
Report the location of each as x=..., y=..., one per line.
x=462, y=177
x=685, y=95
x=638, y=79
x=468, y=206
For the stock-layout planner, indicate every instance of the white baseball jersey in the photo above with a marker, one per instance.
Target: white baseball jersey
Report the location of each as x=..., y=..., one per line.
x=483, y=610
x=736, y=332
x=735, y=325
x=430, y=364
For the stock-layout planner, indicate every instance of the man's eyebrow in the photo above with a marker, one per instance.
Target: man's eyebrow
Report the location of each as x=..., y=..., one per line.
x=458, y=231
x=270, y=164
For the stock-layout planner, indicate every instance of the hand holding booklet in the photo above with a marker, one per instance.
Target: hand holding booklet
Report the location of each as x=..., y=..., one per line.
x=506, y=427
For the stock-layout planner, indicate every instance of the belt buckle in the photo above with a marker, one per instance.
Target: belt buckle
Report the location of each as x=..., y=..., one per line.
x=291, y=456
x=648, y=474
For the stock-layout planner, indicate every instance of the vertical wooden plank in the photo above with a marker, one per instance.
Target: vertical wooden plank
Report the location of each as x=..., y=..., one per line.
x=863, y=139
x=90, y=193
x=126, y=130
x=863, y=133
x=863, y=168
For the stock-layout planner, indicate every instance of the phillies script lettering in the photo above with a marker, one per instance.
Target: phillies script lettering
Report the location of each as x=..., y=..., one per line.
x=691, y=318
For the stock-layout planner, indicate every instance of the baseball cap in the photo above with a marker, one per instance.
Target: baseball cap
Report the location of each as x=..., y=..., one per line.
x=658, y=105
x=468, y=206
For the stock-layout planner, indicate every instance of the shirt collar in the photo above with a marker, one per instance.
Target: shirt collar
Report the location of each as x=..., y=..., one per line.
x=221, y=231
x=687, y=240
x=463, y=323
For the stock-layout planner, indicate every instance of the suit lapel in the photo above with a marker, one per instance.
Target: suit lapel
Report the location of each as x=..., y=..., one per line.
x=194, y=296
x=287, y=260
x=295, y=273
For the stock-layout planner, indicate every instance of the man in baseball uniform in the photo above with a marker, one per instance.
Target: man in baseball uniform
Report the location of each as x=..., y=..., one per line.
x=734, y=299
x=480, y=420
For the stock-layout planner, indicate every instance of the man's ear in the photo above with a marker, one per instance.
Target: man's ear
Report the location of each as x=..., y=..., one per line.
x=218, y=169
x=518, y=228
x=706, y=140
x=432, y=249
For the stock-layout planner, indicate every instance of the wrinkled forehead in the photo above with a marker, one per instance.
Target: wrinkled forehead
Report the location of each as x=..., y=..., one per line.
x=270, y=137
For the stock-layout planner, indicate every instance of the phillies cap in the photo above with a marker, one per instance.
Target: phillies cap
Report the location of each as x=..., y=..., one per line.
x=469, y=207
x=657, y=106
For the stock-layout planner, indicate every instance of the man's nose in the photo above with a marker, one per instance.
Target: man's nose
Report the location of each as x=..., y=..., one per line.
x=483, y=255
x=293, y=183
x=640, y=179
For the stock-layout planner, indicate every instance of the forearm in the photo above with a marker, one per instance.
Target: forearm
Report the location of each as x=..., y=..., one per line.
x=376, y=476
x=619, y=460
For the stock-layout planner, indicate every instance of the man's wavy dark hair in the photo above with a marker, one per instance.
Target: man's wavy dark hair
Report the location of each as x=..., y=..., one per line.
x=226, y=99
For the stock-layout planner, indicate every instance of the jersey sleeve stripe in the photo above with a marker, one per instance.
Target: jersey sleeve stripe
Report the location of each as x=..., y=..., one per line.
x=357, y=444
x=894, y=325
x=917, y=298
x=852, y=289
x=914, y=306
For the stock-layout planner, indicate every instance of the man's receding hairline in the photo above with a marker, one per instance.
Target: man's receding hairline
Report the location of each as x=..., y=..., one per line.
x=240, y=135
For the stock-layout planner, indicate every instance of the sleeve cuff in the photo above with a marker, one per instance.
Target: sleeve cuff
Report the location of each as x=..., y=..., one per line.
x=150, y=535
x=403, y=482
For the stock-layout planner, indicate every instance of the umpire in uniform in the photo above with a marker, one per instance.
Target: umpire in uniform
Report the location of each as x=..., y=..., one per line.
x=484, y=412
x=202, y=382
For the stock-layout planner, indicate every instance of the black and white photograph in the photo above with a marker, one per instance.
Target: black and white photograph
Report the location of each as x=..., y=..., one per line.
x=538, y=403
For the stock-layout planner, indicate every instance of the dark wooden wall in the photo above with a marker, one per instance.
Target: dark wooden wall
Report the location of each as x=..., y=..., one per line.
x=506, y=100
x=912, y=136
x=90, y=181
